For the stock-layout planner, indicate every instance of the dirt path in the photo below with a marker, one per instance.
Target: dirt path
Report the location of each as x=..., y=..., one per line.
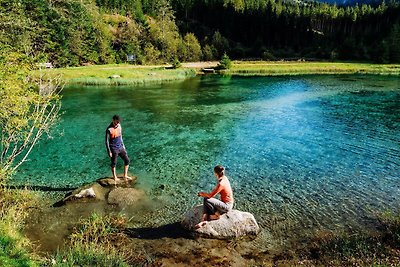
x=200, y=65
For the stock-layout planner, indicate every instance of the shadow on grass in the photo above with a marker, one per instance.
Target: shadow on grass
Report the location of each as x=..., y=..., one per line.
x=173, y=230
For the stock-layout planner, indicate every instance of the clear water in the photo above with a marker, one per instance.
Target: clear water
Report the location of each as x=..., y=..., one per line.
x=302, y=153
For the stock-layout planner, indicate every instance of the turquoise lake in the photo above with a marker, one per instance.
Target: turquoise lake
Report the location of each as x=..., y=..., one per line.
x=302, y=153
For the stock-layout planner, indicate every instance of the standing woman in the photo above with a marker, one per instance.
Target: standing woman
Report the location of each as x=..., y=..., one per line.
x=213, y=207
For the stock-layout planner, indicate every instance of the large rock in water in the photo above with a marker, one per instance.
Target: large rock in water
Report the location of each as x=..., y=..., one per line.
x=103, y=190
x=233, y=224
x=124, y=196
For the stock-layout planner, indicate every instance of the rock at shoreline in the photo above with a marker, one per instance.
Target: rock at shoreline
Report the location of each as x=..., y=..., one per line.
x=106, y=189
x=124, y=196
x=233, y=224
x=93, y=190
x=110, y=181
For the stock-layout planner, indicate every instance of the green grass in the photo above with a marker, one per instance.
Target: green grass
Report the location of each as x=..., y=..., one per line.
x=126, y=74
x=135, y=74
x=90, y=244
x=87, y=255
x=14, y=247
x=267, y=68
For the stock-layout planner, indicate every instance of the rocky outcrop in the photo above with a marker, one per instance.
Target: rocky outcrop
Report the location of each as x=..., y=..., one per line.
x=233, y=224
x=118, y=192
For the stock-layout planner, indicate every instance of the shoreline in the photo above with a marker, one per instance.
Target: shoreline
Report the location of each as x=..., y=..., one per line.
x=52, y=231
x=125, y=74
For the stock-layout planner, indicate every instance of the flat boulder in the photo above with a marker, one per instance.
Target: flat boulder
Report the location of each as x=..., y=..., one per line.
x=124, y=196
x=110, y=181
x=233, y=224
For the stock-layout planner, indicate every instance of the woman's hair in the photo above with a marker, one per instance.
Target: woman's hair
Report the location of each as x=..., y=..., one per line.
x=219, y=170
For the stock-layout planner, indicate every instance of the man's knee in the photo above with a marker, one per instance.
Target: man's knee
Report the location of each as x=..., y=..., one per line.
x=127, y=161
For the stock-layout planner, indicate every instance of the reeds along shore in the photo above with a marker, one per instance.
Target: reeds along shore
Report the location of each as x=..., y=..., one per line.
x=125, y=74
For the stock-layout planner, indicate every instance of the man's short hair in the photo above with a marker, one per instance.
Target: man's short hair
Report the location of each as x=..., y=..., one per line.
x=116, y=118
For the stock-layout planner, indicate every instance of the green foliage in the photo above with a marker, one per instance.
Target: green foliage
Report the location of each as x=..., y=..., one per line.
x=394, y=43
x=220, y=44
x=90, y=243
x=176, y=64
x=164, y=32
x=28, y=109
x=225, y=62
x=83, y=32
x=14, y=206
x=88, y=255
x=209, y=52
x=151, y=54
x=191, y=49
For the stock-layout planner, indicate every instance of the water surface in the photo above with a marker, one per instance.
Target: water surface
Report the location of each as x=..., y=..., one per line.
x=302, y=153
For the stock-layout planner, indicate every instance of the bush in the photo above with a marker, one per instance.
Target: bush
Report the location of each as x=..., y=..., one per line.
x=209, y=52
x=225, y=62
x=176, y=64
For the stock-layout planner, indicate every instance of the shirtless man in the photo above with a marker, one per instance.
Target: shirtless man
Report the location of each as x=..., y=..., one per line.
x=115, y=147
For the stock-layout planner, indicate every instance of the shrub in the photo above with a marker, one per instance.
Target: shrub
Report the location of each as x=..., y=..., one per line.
x=225, y=62
x=176, y=64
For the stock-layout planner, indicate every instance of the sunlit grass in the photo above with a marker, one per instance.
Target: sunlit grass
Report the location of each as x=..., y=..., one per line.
x=268, y=68
x=99, y=241
x=14, y=208
x=125, y=74
x=122, y=74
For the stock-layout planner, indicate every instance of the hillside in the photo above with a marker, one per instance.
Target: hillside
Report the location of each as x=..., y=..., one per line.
x=85, y=32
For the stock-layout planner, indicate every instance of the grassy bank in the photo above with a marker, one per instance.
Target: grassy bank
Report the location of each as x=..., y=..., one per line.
x=15, y=249
x=125, y=74
x=122, y=74
x=267, y=68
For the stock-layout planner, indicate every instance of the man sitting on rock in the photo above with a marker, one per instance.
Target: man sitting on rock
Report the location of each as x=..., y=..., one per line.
x=213, y=207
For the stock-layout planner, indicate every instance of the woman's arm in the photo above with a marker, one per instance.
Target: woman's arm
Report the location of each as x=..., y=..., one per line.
x=213, y=193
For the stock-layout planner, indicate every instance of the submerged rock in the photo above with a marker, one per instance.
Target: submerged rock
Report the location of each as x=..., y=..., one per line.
x=124, y=196
x=233, y=224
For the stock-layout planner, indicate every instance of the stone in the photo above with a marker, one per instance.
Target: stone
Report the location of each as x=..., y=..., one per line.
x=110, y=181
x=93, y=190
x=233, y=224
x=124, y=196
x=86, y=193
